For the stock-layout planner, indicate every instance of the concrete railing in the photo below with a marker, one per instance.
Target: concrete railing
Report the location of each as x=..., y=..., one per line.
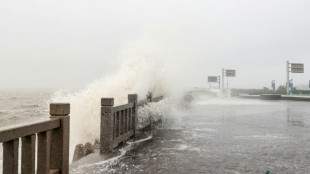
x=119, y=123
x=52, y=136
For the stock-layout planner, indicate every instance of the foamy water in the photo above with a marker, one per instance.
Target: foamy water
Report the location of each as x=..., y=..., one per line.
x=20, y=105
x=102, y=166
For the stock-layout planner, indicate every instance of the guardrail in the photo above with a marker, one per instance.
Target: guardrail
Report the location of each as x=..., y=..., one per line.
x=119, y=123
x=51, y=136
x=52, y=144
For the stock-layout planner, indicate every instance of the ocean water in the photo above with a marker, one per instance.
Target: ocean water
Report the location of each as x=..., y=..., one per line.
x=19, y=106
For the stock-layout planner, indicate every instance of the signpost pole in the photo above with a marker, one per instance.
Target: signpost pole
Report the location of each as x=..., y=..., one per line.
x=223, y=73
x=219, y=81
x=227, y=82
x=291, y=86
x=287, y=77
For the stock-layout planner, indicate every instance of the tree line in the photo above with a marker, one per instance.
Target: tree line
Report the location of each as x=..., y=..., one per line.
x=280, y=90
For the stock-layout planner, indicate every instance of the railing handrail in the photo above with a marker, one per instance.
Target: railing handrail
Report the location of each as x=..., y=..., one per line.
x=122, y=107
x=158, y=98
x=44, y=142
x=21, y=130
x=143, y=102
x=140, y=103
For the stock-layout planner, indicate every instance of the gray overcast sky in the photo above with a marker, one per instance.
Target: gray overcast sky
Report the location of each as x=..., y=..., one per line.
x=62, y=43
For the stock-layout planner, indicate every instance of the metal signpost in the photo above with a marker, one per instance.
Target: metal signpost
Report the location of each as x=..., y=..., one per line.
x=227, y=73
x=223, y=79
x=294, y=68
x=212, y=79
x=215, y=79
x=291, y=86
x=230, y=73
x=297, y=68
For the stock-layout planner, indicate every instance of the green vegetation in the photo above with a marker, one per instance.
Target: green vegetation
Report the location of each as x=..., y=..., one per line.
x=265, y=90
x=281, y=90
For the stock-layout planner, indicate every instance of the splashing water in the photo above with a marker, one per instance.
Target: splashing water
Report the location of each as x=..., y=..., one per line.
x=145, y=65
x=137, y=74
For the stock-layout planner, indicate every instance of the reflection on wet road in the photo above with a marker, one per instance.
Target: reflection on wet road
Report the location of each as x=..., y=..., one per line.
x=235, y=136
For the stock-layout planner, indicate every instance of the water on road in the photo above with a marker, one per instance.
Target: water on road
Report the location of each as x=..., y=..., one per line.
x=222, y=136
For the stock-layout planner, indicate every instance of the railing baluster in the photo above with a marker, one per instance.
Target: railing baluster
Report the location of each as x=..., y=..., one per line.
x=121, y=116
x=117, y=125
x=10, y=157
x=132, y=119
x=44, y=147
x=113, y=126
x=129, y=119
x=28, y=154
x=123, y=122
x=126, y=121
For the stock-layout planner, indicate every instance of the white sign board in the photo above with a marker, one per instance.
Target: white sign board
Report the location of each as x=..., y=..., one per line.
x=212, y=78
x=230, y=73
x=297, y=68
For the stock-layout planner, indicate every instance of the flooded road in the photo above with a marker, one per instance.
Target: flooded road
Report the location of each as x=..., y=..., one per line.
x=223, y=136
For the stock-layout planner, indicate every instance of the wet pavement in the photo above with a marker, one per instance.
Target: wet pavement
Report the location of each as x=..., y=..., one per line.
x=222, y=136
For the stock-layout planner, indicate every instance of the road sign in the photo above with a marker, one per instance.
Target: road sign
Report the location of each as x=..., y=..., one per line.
x=297, y=68
x=212, y=79
x=230, y=73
